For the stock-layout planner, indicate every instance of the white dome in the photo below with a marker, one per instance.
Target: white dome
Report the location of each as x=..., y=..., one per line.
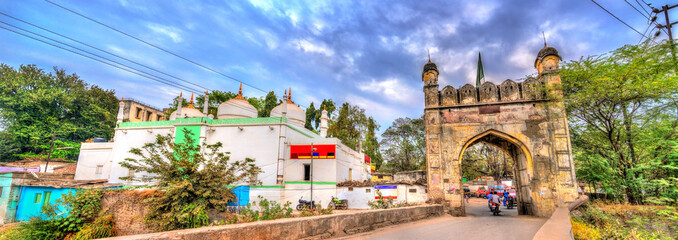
x=236, y=108
x=187, y=112
x=294, y=113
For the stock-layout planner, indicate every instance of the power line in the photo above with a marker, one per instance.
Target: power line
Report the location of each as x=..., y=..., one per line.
x=90, y=57
x=155, y=46
x=60, y=35
x=634, y=7
x=612, y=16
x=159, y=79
x=62, y=43
x=641, y=6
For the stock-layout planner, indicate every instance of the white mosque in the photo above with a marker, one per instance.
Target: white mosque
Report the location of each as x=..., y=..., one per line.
x=280, y=145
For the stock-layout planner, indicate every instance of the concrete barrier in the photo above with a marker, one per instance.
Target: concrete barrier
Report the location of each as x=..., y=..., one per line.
x=559, y=227
x=317, y=227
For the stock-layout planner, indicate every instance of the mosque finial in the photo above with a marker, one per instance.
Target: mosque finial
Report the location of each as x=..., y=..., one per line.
x=122, y=99
x=207, y=92
x=240, y=89
x=289, y=97
x=181, y=94
x=240, y=93
x=429, y=54
x=544, y=35
x=191, y=98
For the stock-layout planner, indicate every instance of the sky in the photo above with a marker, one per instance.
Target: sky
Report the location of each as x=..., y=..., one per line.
x=367, y=53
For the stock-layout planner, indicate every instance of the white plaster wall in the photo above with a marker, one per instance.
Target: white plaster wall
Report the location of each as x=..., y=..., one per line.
x=92, y=155
x=404, y=194
x=322, y=194
x=125, y=140
x=259, y=142
x=358, y=198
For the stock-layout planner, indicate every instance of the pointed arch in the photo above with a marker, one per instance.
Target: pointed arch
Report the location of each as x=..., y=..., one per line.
x=504, y=136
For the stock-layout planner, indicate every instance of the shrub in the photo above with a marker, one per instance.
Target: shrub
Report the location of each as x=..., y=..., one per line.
x=102, y=227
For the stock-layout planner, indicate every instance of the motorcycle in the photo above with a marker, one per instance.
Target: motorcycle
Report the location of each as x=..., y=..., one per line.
x=495, y=208
x=510, y=202
x=338, y=203
x=305, y=204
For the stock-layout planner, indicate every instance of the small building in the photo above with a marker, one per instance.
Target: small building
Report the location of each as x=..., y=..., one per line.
x=382, y=177
x=137, y=111
x=13, y=192
x=58, y=166
x=416, y=175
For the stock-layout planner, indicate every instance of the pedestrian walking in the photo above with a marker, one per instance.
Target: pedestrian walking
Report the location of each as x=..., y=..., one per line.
x=466, y=197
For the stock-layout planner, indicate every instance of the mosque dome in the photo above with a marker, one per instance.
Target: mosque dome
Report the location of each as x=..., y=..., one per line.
x=236, y=107
x=430, y=66
x=294, y=113
x=187, y=112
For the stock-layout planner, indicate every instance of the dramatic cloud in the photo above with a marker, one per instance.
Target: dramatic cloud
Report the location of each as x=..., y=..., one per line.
x=369, y=53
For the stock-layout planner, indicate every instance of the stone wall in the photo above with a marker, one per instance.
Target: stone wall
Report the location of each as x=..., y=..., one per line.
x=319, y=227
x=128, y=210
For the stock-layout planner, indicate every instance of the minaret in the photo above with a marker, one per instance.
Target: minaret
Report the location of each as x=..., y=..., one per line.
x=286, y=100
x=323, y=123
x=207, y=100
x=547, y=64
x=430, y=78
x=181, y=100
x=121, y=108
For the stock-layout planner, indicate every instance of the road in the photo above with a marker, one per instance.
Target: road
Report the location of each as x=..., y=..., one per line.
x=478, y=224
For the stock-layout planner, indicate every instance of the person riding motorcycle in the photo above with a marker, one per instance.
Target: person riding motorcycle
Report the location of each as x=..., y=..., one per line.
x=497, y=200
x=506, y=197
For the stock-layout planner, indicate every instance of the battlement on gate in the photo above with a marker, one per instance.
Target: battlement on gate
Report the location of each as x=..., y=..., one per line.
x=490, y=93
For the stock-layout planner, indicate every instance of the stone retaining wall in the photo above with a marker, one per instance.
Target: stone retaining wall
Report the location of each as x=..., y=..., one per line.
x=318, y=227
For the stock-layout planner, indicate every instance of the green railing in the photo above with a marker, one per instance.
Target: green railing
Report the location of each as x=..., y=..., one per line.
x=230, y=121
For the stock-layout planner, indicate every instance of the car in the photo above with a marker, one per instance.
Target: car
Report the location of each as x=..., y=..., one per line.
x=481, y=193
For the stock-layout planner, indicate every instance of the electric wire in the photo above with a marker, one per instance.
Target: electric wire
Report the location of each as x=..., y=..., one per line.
x=622, y=21
x=634, y=7
x=160, y=48
x=155, y=46
x=641, y=6
x=90, y=57
x=101, y=50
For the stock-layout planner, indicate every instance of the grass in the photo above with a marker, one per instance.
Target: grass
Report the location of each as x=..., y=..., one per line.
x=602, y=220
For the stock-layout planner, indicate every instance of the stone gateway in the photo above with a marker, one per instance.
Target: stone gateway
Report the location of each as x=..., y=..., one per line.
x=527, y=120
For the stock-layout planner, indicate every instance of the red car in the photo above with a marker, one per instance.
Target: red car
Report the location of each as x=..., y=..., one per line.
x=481, y=193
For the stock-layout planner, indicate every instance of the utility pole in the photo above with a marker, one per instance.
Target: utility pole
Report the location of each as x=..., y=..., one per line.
x=51, y=147
x=312, y=150
x=669, y=24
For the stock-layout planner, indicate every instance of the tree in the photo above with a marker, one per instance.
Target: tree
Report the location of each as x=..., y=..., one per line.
x=270, y=102
x=310, y=117
x=328, y=105
x=191, y=179
x=372, y=147
x=486, y=160
x=622, y=112
x=404, y=145
x=348, y=125
x=34, y=104
x=216, y=97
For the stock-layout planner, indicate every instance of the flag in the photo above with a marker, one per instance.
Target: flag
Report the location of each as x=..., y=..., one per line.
x=481, y=74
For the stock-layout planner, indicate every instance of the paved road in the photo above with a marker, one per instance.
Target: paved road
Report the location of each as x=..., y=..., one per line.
x=478, y=224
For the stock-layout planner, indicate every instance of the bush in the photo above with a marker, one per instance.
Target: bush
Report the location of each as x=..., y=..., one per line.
x=102, y=227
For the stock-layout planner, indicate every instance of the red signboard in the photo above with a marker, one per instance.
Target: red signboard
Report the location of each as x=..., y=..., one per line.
x=367, y=159
x=304, y=151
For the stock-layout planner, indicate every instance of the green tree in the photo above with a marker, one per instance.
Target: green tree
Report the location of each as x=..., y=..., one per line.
x=216, y=97
x=348, y=125
x=191, y=179
x=34, y=104
x=622, y=112
x=270, y=102
x=371, y=146
x=486, y=160
x=310, y=117
x=404, y=145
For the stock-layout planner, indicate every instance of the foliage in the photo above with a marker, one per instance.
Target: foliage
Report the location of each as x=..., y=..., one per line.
x=191, y=177
x=486, y=160
x=102, y=227
x=381, y=203
x=404, y=145
x=61, y=150
x=600, y=220
x=348, y=125
x=264, y=210
x=34, y=103
x=270, y=102
x=264, y=105
x=623, y=118
x=372, y=147
x=313, y=115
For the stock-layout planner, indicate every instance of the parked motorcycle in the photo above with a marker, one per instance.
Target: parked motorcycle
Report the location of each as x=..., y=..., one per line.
x=338, y=203
x=305, y=204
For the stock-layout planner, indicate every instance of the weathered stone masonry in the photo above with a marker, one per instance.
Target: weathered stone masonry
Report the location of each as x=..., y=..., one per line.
x=513, y=116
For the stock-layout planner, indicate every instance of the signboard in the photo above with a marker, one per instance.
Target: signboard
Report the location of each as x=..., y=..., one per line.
x=374, y=168
x=388, y=191
x=304, y=151
x=367, y=159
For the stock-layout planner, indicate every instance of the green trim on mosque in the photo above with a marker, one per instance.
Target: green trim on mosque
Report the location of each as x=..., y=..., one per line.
x=314, y=183
x=300, y=131
x=230, y=121
x=180, y=137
